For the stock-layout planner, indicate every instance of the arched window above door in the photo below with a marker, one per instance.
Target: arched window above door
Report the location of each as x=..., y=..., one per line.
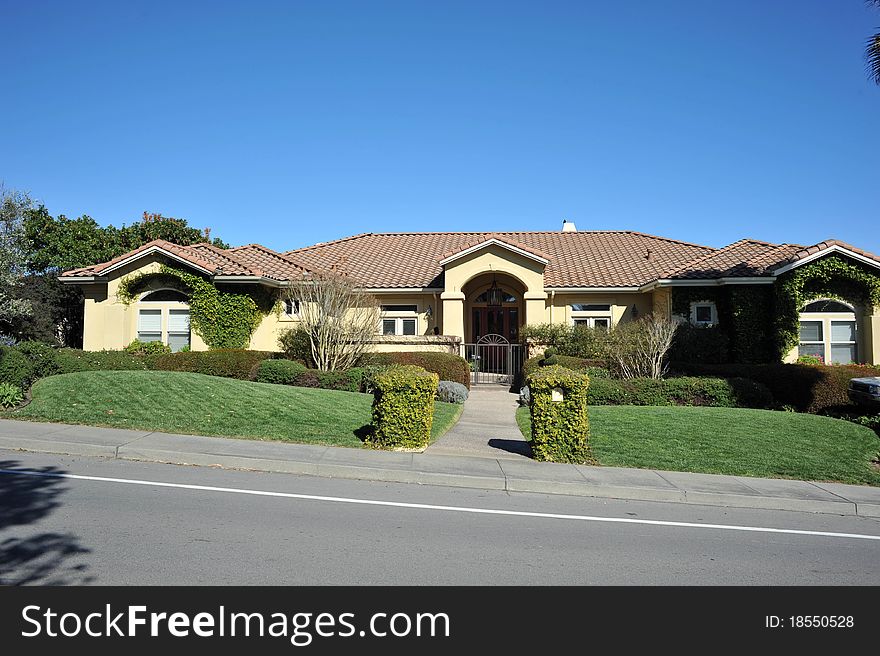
x=506, y=297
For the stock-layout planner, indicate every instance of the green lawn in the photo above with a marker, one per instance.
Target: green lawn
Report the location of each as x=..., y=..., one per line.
x=736, y=441
x=175, y=402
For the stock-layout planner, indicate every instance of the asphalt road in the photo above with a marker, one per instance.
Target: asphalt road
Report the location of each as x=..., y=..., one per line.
x=273, y=531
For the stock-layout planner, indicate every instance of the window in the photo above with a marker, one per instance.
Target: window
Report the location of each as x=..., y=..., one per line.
x=594, y=322
x=150, y=326
x=828, y=330
x=399, y=319
x=165, y=295
x=400, y=308
x=704, y=313
x=506, y=297
x=590, y=307
x=591, y=315
x=399, y=326
x=291, y=307
x=176, y=333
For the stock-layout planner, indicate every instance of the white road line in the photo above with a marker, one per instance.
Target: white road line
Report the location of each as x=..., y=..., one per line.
x=427, y=506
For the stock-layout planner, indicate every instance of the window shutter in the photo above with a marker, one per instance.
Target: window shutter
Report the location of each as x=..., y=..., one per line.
x=178, y=321
x=150, y=321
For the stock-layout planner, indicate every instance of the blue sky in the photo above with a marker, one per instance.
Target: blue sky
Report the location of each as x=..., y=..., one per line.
x=288, y=123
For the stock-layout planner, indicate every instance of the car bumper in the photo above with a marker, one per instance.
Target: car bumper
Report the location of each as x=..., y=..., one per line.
x=864, y=398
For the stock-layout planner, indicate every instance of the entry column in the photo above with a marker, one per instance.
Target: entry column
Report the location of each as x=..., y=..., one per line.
x=453, y=313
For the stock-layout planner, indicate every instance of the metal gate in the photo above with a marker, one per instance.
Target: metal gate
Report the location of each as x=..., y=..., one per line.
x=493, y=360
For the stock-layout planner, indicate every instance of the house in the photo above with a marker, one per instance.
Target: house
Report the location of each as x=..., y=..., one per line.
x=442, y=289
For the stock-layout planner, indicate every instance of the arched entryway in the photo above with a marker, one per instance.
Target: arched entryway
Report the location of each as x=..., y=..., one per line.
x=494, y=306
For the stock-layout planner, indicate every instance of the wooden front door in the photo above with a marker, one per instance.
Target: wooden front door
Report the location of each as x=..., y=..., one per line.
x=502, y=321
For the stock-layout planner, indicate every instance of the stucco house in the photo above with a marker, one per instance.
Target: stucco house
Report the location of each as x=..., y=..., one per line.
x=443, y=289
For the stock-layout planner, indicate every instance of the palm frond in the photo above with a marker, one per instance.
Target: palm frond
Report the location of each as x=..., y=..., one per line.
x=872, y=55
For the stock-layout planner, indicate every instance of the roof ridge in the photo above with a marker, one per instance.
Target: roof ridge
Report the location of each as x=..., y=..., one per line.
x=281, y=256
x=329, y=243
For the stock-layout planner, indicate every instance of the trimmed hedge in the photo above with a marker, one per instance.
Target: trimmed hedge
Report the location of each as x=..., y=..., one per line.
x=560, y=429
x=806, y=388
x=147, y=348
x=447, y=366
x=595, y=368
x=15, y=367
x=227, y=363
x=41, y=356
x=350, y=380
x=403, y=408
x=72, y=360
x=716, y=392
x=279, y=372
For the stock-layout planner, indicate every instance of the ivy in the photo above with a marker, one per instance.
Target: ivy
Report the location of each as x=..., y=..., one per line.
x=223, y=319
x=830, y=277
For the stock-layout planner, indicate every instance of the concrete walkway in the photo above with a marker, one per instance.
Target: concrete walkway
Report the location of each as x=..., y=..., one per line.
x=496, y=473
x=487, y=427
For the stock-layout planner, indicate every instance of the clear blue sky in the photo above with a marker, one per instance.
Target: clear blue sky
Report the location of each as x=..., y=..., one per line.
x=288, y=123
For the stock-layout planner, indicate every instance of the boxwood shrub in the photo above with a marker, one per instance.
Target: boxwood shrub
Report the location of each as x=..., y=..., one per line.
x=15, y=367
x=227, y=363
x=279, y=372
x=716, y=392
x=403, y=408
x=71, y=360
x=447, y=366
x=595, y=368
x=560, y=429
x=806, y=388
x=42, y=358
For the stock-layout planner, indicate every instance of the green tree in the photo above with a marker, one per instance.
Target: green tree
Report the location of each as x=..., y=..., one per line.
x=872, y=50
x=13, y=207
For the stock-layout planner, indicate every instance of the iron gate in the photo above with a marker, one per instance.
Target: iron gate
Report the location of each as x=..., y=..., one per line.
x=493, y=360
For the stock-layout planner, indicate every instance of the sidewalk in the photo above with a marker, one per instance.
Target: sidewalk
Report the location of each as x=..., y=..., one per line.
x=514, y=475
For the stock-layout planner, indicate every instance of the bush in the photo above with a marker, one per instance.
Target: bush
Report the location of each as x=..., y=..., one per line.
x=716, y=392
x=347, y=381
x=447, y=366
x=71, y=360
x=573, y=341
x=599, y=368
x=296, y=345
x=11, y=395
x=700, y=344
x=806, y=388
x=403, y=408
x=560, y=429
x=227, y=363
x=451, y=392
x=41, y=356
x=279, y=372
x=147, y=348
x=15, y=367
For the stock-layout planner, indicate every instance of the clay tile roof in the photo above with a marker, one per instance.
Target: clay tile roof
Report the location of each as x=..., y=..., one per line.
x=804, y=252
x=482, y=238
x=744, y=258
x=268, y=262
x=575, y=259
x=183, y=252
x=222, y=260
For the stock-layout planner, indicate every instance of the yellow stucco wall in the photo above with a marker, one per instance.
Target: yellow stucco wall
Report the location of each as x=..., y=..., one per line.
x=868, y=336
x=558, y=306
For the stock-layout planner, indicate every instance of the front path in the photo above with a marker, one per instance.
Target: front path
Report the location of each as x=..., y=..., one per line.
x=487, y=427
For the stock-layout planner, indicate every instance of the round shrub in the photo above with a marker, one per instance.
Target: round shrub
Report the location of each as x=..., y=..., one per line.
x=147, y=348
x=451, y=392
x=297, y=345
x=279, y=372
x=15, y=367
x=41, y=356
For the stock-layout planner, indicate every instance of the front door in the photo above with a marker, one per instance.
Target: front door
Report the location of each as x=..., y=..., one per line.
x=502, y=321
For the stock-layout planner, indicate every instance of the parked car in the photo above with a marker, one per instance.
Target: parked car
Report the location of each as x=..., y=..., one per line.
x=865, y=391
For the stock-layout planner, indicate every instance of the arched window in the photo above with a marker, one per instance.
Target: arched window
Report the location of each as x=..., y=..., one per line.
x=167, y=323
x=506, y=297
x=165, y=295
x=828, y=331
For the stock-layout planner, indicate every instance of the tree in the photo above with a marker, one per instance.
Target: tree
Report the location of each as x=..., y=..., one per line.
x=339, y=319
x=872, y=51
x=13, y=207
x=638, y=348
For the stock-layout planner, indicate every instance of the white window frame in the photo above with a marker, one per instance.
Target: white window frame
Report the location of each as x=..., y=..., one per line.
x=399, y=318
x=164, y=309
x=590, y=316
x=827, y=319
x=713, y=310
x=294, y=313
x=590, y=322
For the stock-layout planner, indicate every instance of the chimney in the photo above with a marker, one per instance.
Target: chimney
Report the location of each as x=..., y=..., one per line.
x=568, y=226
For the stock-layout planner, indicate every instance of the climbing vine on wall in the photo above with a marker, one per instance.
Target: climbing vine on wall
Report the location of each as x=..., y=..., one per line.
x=222, y=319
x=830, y=277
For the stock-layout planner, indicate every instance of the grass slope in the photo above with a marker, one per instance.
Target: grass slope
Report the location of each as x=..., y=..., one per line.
x=175, y=402
x=735, y=441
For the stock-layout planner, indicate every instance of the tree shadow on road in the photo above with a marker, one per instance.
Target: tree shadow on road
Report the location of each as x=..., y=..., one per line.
x=28, y=556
